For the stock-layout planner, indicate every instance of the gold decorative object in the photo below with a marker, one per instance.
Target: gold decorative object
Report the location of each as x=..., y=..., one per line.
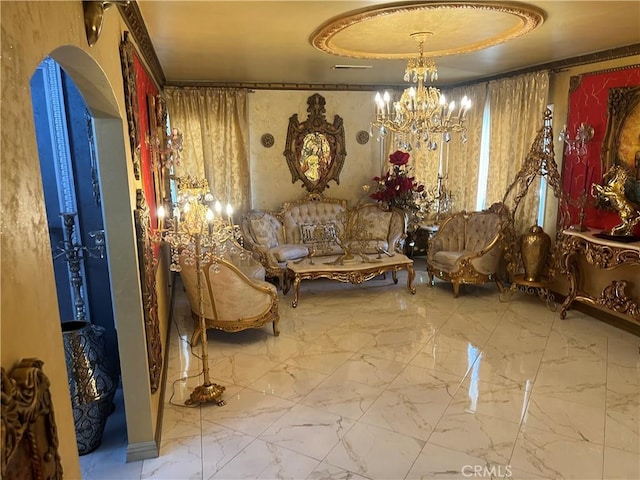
x=422, y=112
x=127, y=60
x=29, y=432
x=267, y=140
x=621, y=144
x=613, y=193
x=362, y=137
x=604, y=255
x=352, y=236
x=198, y=233
x=94, y=18
x=534, y=247
x=540, y=161
x=91, y=385
x=148, y=263
x=315, y=148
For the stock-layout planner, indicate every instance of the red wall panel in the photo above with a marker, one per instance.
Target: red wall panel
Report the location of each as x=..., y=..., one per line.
x=588, y=104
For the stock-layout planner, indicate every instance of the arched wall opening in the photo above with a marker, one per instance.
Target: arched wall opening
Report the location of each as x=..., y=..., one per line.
x=115, y=173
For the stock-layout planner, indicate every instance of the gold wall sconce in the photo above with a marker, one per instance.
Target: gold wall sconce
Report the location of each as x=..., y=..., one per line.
x=94, y=17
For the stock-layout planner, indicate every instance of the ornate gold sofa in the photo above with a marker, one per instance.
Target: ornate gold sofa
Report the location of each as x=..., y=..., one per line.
x=291, y=233
x=234, y=294
x=468, y=248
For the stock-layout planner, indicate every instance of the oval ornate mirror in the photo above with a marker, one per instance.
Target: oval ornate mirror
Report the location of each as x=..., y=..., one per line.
x=315, y=148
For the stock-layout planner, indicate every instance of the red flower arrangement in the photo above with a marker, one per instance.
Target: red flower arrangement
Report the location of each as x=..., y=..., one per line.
x=396, y=188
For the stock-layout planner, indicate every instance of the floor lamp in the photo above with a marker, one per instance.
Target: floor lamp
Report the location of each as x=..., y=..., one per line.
x=199, y=239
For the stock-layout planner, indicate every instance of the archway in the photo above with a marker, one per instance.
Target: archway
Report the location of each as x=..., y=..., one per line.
x=115, y=175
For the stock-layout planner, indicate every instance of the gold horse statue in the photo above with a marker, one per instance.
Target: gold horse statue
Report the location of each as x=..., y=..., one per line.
x=612, y=192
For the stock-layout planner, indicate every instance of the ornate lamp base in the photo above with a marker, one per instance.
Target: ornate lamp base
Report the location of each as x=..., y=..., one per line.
x=209, y=392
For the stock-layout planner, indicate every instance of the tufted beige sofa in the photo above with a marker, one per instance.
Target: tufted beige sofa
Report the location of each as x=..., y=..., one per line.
x=468, y=248
x=288, y=235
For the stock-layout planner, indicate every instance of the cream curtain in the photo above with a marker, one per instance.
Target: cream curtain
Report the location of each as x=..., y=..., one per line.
x=462, y=160
x=215, y=130
x=517, y=106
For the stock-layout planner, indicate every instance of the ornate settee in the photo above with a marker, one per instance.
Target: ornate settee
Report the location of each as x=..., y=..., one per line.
x=315, y=226
x=468, y=248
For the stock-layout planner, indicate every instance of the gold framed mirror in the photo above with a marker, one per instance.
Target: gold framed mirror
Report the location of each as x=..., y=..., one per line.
x=315, y=149
x=621, y=145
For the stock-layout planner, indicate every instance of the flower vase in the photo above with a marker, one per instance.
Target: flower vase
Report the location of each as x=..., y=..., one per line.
x=91, y=385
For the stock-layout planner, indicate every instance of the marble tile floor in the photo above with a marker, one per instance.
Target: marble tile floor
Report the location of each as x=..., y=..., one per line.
x=371, y=382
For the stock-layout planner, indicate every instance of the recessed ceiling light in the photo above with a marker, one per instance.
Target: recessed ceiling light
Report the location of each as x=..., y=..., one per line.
x=351, y=67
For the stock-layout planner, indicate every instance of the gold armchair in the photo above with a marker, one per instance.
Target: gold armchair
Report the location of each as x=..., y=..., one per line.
x=468, y=248
x=228, y=299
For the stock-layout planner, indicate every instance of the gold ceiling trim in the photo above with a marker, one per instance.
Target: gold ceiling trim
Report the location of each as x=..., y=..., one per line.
x=529, y=16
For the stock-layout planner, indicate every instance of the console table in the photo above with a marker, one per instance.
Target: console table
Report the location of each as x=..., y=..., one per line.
x=603, y=254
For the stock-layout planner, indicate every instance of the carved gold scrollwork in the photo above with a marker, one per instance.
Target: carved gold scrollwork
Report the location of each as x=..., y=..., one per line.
x=29, y=432
x=574, y=245
x=147, y=262
x=614, y=298
x=127, y=53
x=315, y=148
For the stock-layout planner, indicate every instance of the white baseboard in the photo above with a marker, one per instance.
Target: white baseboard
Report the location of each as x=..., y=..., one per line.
x=142, y=451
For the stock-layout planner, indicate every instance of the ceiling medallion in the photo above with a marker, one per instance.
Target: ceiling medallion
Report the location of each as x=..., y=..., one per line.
x=453, y=25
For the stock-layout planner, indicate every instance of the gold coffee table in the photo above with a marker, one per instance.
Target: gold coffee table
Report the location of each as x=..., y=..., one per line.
x=355, y=271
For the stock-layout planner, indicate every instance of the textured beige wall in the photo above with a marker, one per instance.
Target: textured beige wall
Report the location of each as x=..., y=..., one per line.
x=30, y=324
x=269, y=112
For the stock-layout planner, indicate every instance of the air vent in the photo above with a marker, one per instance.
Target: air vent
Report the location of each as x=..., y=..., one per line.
x=351, y=67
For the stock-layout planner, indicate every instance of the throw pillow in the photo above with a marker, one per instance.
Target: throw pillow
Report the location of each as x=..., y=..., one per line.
x=312, y=233
x=377, y=223
x=264, y=232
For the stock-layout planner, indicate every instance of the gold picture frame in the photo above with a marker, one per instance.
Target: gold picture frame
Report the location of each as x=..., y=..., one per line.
x=621, y=144
x=315, y=148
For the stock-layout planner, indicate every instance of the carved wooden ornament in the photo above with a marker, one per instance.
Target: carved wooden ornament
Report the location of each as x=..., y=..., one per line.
x=315, y=148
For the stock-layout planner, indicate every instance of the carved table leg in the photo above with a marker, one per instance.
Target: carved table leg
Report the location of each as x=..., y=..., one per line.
x=573, y=289
x=411, y=274
x=296, y=291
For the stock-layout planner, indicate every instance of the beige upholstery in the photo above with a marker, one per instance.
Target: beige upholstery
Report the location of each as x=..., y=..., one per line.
x=467, y=248
x=279, y=237
x=234, y=295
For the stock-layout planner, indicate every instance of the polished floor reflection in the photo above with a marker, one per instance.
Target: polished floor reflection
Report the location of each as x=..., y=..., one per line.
x=370, y=381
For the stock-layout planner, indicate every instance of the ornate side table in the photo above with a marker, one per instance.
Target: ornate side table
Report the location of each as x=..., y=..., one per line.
x=540, y=288
x=603, y=254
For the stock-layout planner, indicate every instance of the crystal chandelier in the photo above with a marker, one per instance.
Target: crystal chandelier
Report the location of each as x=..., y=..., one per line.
x=422, y=111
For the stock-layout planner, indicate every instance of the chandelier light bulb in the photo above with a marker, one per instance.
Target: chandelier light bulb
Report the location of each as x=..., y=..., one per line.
x=229, y=210
x=218, y=207
x=210, y=215
x=161, y=212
